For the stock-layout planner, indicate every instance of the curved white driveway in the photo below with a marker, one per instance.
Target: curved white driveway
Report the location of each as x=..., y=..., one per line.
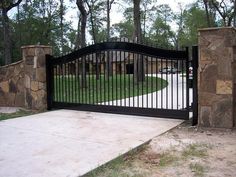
x=171, y=97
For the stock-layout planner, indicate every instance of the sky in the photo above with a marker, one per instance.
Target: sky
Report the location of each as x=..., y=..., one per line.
x=116, y=12
x=117, y=16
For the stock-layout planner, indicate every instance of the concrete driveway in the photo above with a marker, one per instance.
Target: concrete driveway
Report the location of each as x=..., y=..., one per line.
x=171, y=97
x=67, y=143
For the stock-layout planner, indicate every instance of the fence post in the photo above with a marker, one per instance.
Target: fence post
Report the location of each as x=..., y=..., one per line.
x=49, y=81
x=195, y=85
x=35, y=76
x=187, y=80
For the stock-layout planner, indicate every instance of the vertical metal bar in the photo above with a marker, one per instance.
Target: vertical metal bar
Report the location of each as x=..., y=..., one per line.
x=124, y=72
x=112, y=79
x=77, y=81
x=182, y=63
x=116, y=80
x=167, y=81
x=172, y=96
x=55, y=83
x=59, y=88
x=152, y=90
x=93, y=80
x=187, y=80
x=137, y=79
x=86, y=84
x=70, y=85
x=82, y=80
x=67, y=83
x=195, y=86
x=108, y=77
x=157, y=82
x=104, y=78
x=134, y=63
x=62, y=82
x=177, y=85
x=120, y=68
x=49, y=81
x=97, y=76
x=129, y=74
x=72, y=82
x=100, y=81
x=147, y=86
x=162, y=83
x=89, y=79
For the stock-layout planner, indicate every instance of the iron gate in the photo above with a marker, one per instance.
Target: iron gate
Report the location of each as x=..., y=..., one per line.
x=121, y=77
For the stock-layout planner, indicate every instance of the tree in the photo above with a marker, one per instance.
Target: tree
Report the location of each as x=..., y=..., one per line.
x=5, y=6
x=81, y=6
x=109, y=5
x=83, y=12
x=124, y=29
x=226, y=10
x=194, y=18
x=160, y=31
x=146, y=13
x=96, y=19
x=137, y=34
x=139, y=73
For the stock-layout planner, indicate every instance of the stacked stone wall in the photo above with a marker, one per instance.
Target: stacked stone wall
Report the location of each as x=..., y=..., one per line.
x=217, y=77
x=23, y=84
x=12, y=85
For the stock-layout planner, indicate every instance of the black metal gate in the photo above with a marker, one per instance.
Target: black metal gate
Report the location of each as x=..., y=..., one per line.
x=121, y=77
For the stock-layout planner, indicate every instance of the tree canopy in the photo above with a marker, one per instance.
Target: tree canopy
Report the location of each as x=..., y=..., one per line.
x=46, y=22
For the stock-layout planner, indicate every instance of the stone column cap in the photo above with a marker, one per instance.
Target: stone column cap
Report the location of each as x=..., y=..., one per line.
x=216, y=28
x=36, y=46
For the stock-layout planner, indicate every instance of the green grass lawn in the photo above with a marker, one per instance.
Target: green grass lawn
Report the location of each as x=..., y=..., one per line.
x=20, y=113
x=68, y=88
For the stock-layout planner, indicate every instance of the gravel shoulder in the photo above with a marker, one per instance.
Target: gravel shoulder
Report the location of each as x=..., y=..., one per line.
x=184, y=151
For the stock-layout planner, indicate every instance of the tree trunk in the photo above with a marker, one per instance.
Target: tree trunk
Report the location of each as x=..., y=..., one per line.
x=61, y=25
x=81, y=7
x=234, y=13
x=139, y=74
x=78, y=37
x=108, y=20
x=6, y=6
x=207, y=13
x=6, y=37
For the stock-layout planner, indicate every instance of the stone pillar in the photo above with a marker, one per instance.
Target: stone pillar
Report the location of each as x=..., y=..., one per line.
x=35, y=76
x=217, y=77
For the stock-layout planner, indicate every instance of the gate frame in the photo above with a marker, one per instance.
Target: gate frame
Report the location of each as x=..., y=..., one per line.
x=127, y=47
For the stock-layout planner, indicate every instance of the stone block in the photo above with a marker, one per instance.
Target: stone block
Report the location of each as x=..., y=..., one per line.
x=42, y=85
x=207, y=99
x=34, y=86
x=12, y=87
x=203, y=42
x=29, y=60
x=10, y=72
x=28, y=99
x=41, y=74
x=4, y=86
x=205, y=114
x=27, y=81
x=222, y=113
x=20, y=99
x=208, y=78
x=41, y=94
x=30, y=51
x=10, y=99
x=41, y=61
x=34, y=96
x=224, y=87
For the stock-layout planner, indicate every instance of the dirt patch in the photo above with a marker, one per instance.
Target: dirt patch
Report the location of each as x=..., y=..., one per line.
x=184, y=152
